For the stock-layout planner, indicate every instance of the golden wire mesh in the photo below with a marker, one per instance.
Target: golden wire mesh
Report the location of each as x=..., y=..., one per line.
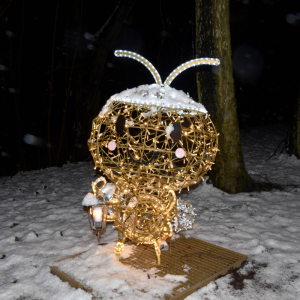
x=144, y=155
x=136, y=148
x=149, y=151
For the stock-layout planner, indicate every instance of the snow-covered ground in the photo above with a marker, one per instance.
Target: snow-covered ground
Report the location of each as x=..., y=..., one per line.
x=42, y=220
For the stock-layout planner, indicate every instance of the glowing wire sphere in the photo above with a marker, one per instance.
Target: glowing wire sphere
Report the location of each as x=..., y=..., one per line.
x=129, y=142
x=151, y=141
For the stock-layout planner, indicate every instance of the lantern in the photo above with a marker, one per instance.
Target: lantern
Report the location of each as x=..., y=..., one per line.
x=97, y=218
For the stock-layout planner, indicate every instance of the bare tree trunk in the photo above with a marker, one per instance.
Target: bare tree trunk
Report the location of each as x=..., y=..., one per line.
x=63, y=132
x=295, y=142
x=106, y=39
x=216, y=92
x=51, y=86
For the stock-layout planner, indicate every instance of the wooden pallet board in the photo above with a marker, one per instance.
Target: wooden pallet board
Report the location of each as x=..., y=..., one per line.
x=205, y=260
x=205, y=263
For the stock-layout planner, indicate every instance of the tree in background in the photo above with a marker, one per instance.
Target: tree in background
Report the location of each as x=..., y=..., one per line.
x=216, y=92
x=88, y=74
x=52, y=73
x=295, y=141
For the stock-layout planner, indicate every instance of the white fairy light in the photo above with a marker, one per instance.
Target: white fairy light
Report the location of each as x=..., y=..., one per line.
x=157, y=98
x=175, y=73
x=189, y=64
x=142, y=60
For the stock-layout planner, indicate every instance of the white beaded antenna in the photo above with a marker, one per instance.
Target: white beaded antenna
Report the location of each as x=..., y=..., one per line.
x=141, y=59
x=175, y=73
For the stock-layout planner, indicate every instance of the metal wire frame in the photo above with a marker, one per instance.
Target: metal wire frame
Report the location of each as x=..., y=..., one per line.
x=144, y=156
x=144, y=166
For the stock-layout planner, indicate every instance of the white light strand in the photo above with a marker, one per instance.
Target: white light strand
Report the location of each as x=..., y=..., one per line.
x=162, y=106
x=142, y=60
x=189, y=64
x=175, y=73
x=156, y=98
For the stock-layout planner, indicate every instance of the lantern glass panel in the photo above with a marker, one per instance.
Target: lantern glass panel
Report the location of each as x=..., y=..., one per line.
x=98, y=216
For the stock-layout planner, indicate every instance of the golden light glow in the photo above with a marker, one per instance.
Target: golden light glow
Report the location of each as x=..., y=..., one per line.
x=97, y=215
x=143, y=163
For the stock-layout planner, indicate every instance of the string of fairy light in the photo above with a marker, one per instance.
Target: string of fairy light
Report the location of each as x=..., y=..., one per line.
x=175, y=73
x=135, y=144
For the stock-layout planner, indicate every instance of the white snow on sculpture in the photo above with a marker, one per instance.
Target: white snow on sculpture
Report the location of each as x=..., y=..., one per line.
x=169, y=129
x=108, y=191
x=90, y=200
x=157, y=98
x=129, y=123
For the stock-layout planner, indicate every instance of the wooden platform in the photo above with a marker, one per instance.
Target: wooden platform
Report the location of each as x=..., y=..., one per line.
x=200, y=261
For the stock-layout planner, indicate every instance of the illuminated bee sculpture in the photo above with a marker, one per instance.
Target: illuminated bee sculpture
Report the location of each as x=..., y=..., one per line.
x=150, y=141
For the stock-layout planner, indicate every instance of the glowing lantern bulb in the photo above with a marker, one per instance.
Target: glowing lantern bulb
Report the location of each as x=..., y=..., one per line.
x=97, y=214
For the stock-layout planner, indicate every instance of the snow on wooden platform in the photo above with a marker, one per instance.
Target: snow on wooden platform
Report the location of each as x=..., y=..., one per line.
x=200, y=262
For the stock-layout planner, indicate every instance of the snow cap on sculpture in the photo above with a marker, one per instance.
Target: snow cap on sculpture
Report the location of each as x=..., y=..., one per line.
x=156, y=97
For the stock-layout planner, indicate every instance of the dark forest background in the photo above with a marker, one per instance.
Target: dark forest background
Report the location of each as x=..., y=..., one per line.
x=57, y=67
